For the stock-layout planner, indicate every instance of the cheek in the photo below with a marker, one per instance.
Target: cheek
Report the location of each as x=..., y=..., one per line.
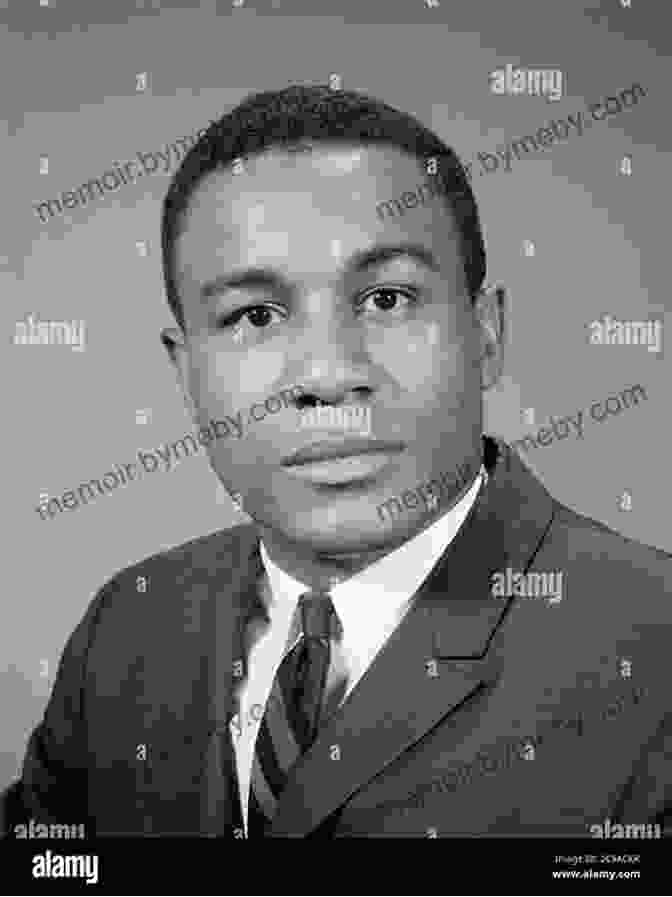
x=418, y=355
x=231, y=380
x=259, y=372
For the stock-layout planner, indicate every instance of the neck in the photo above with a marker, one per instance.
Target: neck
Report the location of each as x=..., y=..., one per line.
x=318, y=569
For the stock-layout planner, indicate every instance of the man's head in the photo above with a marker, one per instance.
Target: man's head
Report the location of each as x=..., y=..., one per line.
x=295, y=207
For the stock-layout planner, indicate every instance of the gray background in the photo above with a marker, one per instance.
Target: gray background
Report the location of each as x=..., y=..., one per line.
x=68, y=82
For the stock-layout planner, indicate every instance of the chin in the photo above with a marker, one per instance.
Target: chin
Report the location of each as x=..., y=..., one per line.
x=325, y=530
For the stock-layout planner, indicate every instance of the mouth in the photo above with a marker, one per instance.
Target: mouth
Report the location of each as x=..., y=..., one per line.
x=343, y=461
x=328, y=450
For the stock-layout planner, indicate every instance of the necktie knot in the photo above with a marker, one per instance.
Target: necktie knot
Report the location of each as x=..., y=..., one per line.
x=316, y=610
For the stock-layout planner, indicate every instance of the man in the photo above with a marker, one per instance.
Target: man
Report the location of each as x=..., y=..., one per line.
x=345, y=666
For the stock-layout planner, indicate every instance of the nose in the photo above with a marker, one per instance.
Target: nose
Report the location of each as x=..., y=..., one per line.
x=331, y=362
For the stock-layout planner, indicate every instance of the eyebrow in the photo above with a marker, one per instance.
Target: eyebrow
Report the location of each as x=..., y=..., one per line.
x=362, y=260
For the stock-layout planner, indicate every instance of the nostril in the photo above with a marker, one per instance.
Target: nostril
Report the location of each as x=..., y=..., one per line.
x=308, y=401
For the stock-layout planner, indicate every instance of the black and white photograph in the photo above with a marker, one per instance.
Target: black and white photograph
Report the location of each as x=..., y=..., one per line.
x=288, y=557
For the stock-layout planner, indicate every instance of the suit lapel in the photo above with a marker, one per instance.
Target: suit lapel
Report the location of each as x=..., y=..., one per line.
x=230, y=604
x=444, y=650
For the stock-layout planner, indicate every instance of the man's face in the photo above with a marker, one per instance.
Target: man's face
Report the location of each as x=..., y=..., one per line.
x=396, y=336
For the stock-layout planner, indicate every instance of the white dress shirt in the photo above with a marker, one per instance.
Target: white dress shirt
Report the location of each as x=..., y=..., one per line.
x=369, y=605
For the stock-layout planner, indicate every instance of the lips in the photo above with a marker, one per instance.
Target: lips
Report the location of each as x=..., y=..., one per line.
x=326, y=450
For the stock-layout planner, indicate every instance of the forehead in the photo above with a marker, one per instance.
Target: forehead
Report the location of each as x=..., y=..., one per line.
x=294, y=204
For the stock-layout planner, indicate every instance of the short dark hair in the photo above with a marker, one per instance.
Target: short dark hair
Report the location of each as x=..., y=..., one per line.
x=299, y=116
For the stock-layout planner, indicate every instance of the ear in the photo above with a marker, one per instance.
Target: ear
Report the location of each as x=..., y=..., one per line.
x=490, y=310
x=175, y=343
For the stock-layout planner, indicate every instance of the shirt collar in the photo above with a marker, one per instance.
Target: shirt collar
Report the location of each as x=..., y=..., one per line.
x=382, y=589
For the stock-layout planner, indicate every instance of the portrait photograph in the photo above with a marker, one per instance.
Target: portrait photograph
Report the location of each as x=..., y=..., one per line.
x=339, y=504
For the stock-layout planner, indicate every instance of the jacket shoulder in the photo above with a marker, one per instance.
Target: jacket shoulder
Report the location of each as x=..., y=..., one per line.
x=206, y=555
x=596, y=535
x=610, y=560
x=172, y=579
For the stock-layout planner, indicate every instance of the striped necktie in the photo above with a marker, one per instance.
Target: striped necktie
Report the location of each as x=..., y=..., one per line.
x=292, y=716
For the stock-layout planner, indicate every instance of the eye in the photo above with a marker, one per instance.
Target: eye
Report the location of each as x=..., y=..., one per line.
x=386, y=298
x=257, y=315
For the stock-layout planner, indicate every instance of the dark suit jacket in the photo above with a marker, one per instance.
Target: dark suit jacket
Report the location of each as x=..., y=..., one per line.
x=481, y=715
